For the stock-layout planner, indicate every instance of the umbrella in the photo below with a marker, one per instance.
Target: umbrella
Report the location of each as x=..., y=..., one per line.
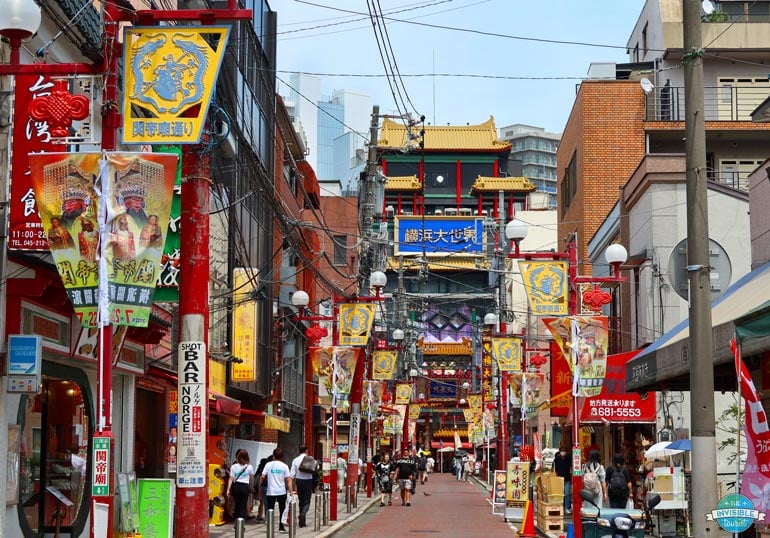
x=661, y=450
x=681, y=444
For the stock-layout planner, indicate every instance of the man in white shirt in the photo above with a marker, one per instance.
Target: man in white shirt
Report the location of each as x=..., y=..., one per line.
x=278, y=477
x=303, y=484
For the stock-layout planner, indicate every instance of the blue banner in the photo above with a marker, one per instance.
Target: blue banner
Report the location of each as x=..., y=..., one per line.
x=434, y=235
x=442, y=389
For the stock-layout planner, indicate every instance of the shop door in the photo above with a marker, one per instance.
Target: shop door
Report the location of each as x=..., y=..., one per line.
x=54, y=458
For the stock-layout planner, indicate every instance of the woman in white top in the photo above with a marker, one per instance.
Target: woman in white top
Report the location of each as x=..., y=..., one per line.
x=279, y=482
x=241, y=482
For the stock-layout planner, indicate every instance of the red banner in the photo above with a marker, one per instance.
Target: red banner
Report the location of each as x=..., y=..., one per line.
x=614, y=404
x=25, y=232
x=756, y=472
x=561, y=382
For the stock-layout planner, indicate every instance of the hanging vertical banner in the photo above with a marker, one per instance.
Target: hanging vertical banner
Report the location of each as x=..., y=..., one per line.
x=414, y=411
x=458, y=442
x=372, y=399
x=384, y=364
x=355, y=323
x=756, y=473
x=474, y=401
x=193, y=408
x=561, y=330
x=403, y=393
x=561, y=382
x=507, y=353
x=244, y=325
x=141, y=186
x=169, y=73
x=583, y=340
x=546, y=286
x=25, y=231
x=167, y=287
x=334, y=367
x=487, y=386
x=526, y=392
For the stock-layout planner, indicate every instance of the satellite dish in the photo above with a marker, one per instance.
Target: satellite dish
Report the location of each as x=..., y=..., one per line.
x=646, y=85
x=708, y=7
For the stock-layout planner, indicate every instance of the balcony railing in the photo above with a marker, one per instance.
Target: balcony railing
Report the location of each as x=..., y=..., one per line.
x=721, y=103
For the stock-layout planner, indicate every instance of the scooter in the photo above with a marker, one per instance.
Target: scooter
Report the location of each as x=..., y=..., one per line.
x=614, y=522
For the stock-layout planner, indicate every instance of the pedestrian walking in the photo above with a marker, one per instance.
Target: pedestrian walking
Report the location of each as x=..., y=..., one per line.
x=262, y=488
x=619, y=485
x=594, y=477
x=422, y=467
x=385, y=471
x=342, y=471
x=278, y=477
x=302, y=470
x=406, y=474
x=241, y=483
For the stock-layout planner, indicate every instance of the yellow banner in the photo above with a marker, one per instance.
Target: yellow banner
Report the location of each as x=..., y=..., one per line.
x=355, y=323
x=217, y=377
x=140, y=187
x=547, y=286
x=384, y=364
x=170, y=74
x=468, y=415
x=403, y=393
x=414, y=411
x=244, y=325
x=583, y=341
x=474, y=401
x=507, y=353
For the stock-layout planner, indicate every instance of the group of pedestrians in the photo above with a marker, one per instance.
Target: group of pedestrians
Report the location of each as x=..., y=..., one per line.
x=609, y=486
x=408, y=467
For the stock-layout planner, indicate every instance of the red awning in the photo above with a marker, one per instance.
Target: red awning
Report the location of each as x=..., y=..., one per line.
x=224, y=405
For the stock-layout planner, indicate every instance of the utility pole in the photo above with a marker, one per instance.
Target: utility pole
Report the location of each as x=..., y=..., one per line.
x=370, y=256
x=704, y=485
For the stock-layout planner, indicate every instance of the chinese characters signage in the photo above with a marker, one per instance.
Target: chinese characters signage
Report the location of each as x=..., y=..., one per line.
x=192, y=427
x=517, y=481
x=119, y=200
x=355, y=323
x=507, y=353
x=101, y=469
x=156, y=507
x=435, y=235
x=25, y=232
x=244, y=324
x=384, y=363
x=169, y=72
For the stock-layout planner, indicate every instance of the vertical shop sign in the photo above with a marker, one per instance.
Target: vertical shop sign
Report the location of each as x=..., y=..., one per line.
x=192, y=428
x=101, y=467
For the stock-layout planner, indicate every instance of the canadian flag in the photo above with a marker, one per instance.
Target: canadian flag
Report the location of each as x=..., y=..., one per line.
x=754, y=484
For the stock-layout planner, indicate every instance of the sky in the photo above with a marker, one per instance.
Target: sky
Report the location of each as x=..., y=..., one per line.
x=518, y=78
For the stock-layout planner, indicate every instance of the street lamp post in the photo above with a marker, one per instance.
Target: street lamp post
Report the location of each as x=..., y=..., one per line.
x=615, y=255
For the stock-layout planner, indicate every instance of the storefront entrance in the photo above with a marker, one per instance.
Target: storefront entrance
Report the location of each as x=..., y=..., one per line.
x=56, y=428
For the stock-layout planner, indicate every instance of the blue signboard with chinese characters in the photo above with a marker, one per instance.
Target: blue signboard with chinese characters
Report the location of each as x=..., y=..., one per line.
x=439, y=235
x=442, y=389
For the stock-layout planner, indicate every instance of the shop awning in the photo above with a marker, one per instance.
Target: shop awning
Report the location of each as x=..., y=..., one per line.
x=449, y=445
x=665, y=364
x=224, y=405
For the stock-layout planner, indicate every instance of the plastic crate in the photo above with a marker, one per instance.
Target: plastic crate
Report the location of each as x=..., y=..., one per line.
x=550, y=524
x=550, y=509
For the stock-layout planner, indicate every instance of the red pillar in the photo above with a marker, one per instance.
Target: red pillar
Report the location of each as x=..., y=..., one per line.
x=193, y=502
x=577, y=464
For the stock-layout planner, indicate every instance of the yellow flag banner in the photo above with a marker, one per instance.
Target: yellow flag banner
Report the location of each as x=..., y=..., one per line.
x=414, y=411
x=507, y=353
x=137, y=190
x=474, y=401
x=527, y=390
x=403, y=393
x=583, y=341
x=561, y=330
x=546, y=285
x=169, y=78
x=468, y=415
x=355, y=323
x=384, y=364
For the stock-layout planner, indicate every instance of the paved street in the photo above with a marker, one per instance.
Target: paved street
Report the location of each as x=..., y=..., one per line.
x=455, y=508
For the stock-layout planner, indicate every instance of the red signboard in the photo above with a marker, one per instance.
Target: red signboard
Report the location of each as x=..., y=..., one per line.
x=614, y=404
x=25, y=232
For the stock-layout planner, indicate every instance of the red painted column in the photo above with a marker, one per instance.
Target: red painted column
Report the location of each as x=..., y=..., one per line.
x=577, y=463
x=193, y=502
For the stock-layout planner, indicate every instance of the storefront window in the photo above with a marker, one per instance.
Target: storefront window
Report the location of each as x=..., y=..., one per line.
x=54, y=457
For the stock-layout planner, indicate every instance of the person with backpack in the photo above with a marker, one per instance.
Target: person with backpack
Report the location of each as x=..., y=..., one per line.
x=619, y=487
x=422, y=467
x=594, y=477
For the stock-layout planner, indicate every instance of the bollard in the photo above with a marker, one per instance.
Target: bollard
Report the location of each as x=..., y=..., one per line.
x=326, y=499
x=240, y=527
x=270, y=523
x=317, y=509
x=347, y=500
x=293, y=508
x=355, y=496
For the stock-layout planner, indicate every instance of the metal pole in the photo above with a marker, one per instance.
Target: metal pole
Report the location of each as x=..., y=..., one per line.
x=347, y=499
x=293, y=508
x=702, y=417
x=269, y=523
x=317, y=511
x=240, y=527
x=326, y=502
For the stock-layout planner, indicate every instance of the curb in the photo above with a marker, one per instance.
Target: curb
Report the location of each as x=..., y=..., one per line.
x=344, y=523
